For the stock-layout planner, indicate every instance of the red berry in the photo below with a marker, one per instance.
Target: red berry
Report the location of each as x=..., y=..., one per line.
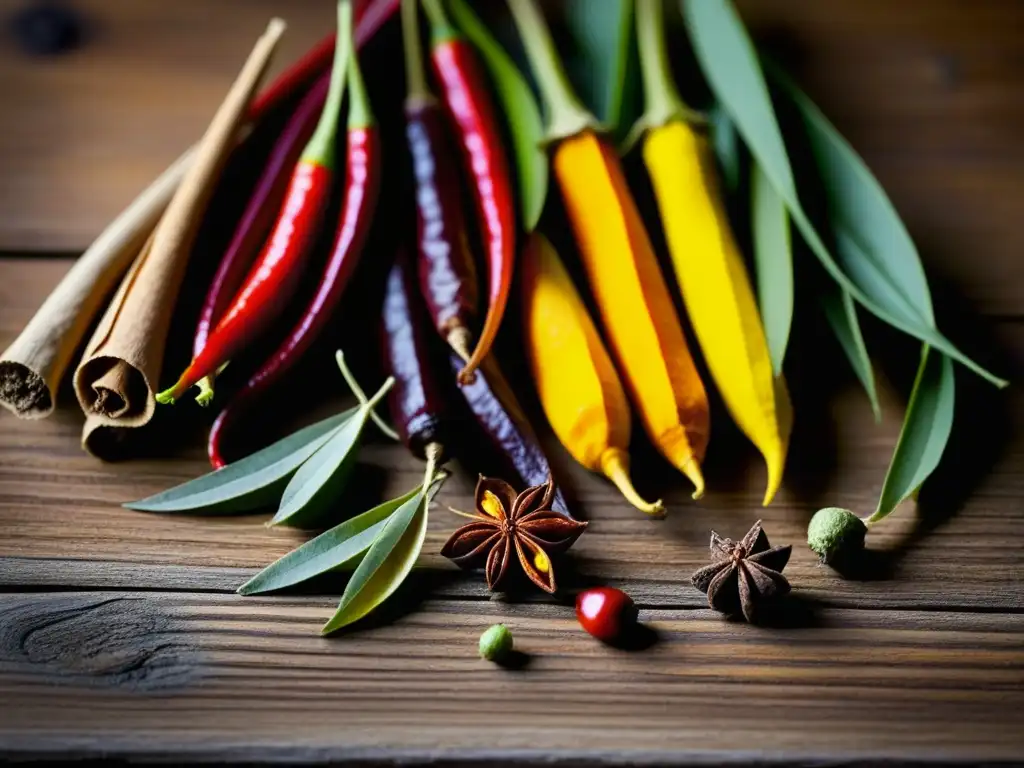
x=605, y=612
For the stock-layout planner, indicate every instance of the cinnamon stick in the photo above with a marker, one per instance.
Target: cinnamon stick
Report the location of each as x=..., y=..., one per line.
x=120, y=370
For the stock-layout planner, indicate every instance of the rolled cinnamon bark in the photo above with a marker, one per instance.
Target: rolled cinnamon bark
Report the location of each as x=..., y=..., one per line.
x=120, y=369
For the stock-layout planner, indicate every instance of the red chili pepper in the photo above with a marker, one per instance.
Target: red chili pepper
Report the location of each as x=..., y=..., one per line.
x=274, y=278
x=362, y=183
x=491, y=400
x=606, y=613
x=370, y=17
x=255, y=223
x=469, y=104
x=447, y=274
x=419, y=407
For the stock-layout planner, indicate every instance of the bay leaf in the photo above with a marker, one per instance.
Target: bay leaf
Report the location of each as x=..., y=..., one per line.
x=334, y=549
x=385, y=566
x=773, y=262
x=731, y=66
x=315, y=487
x=926, y=429
x=726, y=144
x=250, y=483
x=521, y=110
x=841, y=313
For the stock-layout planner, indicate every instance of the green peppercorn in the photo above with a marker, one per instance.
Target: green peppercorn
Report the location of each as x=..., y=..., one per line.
x=496, y=643
x=836, y=535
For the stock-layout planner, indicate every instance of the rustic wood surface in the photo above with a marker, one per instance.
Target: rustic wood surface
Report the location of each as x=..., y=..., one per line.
x=121, y=635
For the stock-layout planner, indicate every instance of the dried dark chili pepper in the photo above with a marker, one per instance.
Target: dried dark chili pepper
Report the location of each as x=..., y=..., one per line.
x=447, y=274
x=470, y=106
x=362, y=184
x=369, y=16
x=274, y=278
x=419, y=407
x=490, y=398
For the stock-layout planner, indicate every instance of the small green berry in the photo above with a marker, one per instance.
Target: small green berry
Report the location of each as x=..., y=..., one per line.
x=836, y=534
x=496, y=643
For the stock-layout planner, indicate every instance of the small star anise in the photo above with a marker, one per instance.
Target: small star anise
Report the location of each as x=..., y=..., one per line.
x=743, y=573
x=505, y=521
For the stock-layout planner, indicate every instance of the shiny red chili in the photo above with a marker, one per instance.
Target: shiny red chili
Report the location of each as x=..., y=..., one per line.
x=419, y=407
x=362, y=184
x=469, y=104
x=605, y=612
x=490, y=398
x=447, y=274
x=272, y=281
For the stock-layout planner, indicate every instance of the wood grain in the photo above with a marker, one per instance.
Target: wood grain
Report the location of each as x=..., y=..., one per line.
x=145, y=674
x=928, y=92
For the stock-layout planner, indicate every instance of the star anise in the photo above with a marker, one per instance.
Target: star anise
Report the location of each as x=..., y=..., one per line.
x=743, y=573
x=505, y=521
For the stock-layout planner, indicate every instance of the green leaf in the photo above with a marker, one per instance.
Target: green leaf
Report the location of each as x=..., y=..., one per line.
x=250, y=483
x=603, y=70
x=385, y=566
x=338, y=548
x=730, y=64
x=926, y=428
x=521, y=110
x=841, y=313
x=316, y=486
x=773, y=259
x=727, y=148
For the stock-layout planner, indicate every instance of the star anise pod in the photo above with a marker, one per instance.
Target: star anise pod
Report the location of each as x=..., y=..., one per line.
x=743, y=573
x=504, y=521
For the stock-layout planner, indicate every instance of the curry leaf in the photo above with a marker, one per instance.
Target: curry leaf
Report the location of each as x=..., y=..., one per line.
x=773, y=260
x=521, y=110
x=337, y=548
x=253, y=482
x=317, y=484
x=841, y=313
x=926, y=428
x=730, y=64
x=385, y=566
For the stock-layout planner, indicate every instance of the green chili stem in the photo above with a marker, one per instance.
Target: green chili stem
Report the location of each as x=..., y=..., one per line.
x=417, y=90
x=320, y=149
x=662, y=101
x=360, y=113
x=441, y=28
x=566, y=114
x=433, y=452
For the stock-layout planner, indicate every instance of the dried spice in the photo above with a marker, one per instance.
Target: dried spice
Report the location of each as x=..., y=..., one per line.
x=743, y=574
x=505, y=521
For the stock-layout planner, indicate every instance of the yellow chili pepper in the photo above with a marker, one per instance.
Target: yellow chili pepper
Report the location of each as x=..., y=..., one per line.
x=711, y=274
x=578, y=387
x=636, y=308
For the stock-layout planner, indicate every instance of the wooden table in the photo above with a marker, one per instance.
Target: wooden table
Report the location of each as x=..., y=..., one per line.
x=121, y=635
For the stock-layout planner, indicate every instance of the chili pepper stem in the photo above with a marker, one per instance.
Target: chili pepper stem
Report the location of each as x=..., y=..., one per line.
x=206, y=392
x=615, y=466
x=433, y=452
x=382, y=425
x=441, y=26
x=566, y=114
x=460, y=339
x=417, y=93
x=662, y=102
x=320, y=149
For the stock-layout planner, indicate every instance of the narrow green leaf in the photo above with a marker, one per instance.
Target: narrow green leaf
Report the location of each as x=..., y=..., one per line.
x=250, y=483
x=926, y=428
x=773, y=259
x=340, y=547
x=858, y=206
x=726, y=144
x=385, y=566
x=602, y=64
x=316, y=486
x=841, y=312
x=521, y=110
x=730, y=64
